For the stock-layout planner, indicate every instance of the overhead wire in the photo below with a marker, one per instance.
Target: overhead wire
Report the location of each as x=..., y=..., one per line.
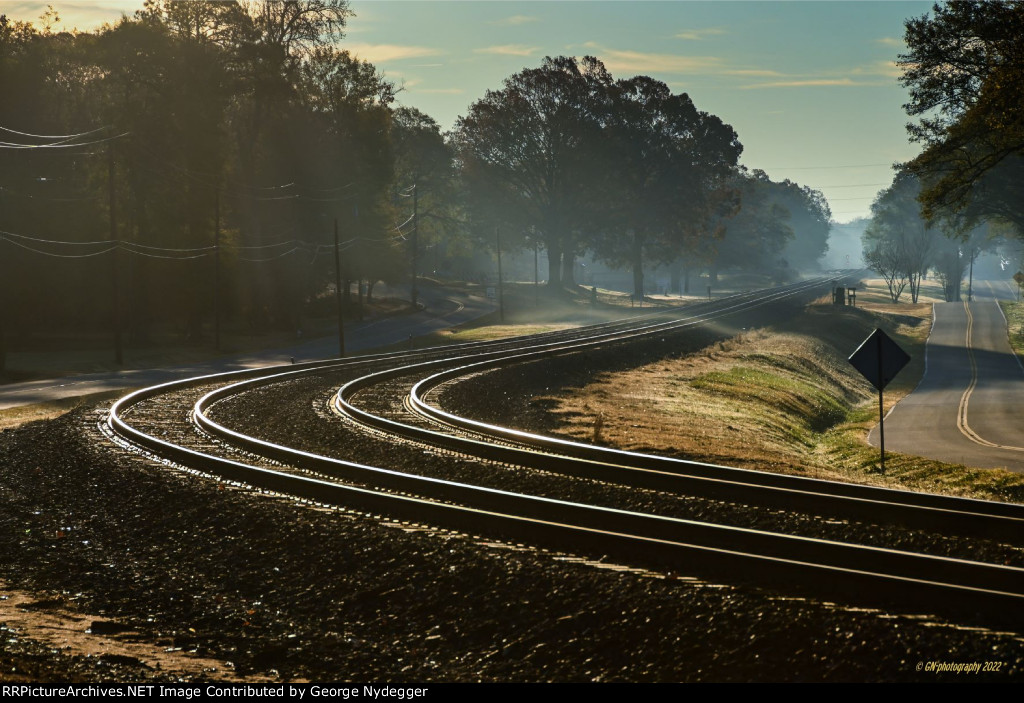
x=54, y=136
x=60, y=144
x=59, y=256
x=40, y=240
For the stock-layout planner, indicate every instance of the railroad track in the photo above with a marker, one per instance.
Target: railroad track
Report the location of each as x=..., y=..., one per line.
x=178, y=422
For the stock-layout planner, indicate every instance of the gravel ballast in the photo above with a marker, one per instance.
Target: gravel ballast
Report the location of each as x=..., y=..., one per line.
x=283, y=589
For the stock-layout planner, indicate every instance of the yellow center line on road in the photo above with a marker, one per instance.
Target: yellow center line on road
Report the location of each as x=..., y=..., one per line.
x=965, y=399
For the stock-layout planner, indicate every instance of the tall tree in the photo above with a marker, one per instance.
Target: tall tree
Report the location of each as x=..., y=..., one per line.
x=899, y=234
x=525, y=148
x=965, y=72
x=662, y=153
x=810, y=218
x=754, y=235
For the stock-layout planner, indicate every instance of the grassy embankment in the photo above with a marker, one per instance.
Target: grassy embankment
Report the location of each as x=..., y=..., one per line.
x=783, y=399
x=1014, y=312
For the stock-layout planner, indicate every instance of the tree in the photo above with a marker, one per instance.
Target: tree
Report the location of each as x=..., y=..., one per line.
x=885, y=257
x=965, y=72
x=427, y=188
x=899, y=239
x=663, y=155
x=810, y=219
x=754, y=236
x=525, y=149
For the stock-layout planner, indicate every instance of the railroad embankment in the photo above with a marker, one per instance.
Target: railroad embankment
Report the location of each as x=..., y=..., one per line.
x=781, y=398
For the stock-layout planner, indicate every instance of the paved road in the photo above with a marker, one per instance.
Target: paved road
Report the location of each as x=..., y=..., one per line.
x=442, y=309
x=969, y=407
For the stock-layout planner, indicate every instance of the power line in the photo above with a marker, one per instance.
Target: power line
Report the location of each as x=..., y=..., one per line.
x=52, y=241
x=59, y=256
x=60, y=144
x=54, y=136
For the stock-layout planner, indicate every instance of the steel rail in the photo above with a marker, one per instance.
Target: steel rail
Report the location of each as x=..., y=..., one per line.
x=979, y=518
x=989, y=588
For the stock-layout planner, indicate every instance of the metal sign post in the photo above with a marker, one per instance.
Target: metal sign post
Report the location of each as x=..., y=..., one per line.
x=879, y=359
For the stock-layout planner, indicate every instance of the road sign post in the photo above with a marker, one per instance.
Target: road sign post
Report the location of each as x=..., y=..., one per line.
x=879, y=359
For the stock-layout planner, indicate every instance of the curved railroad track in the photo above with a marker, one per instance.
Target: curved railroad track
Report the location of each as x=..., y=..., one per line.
x=438, y=468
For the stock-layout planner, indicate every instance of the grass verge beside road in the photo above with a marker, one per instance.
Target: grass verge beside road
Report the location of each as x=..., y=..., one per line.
x=1014, y=312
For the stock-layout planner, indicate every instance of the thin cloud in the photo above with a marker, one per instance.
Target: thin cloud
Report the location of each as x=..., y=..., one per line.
x=889, y=69
x=508, y=50
x=443, y=91
x=891, y=41
x=619, y=61
x=516, y=20
x=699, y=34
x=753, y=72
x=376, y=53
x=810, y=83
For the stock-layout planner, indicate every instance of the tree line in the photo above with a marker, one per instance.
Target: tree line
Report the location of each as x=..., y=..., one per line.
x=192, y=161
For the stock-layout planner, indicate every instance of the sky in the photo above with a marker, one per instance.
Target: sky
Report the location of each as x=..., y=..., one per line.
x=810, y=87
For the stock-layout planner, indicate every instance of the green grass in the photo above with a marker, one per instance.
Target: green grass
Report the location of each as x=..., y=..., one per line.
x=800, y=389
x=813, y=405
x=1014, y=312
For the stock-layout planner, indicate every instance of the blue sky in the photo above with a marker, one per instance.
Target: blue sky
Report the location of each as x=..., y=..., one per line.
x=810, y=87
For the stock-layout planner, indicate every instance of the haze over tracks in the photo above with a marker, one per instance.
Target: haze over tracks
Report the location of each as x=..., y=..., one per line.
x=969, y=407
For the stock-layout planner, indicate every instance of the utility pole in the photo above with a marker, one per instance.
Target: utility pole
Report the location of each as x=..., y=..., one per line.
x=3, y=308
x=359, y=280
x=216, y=270
x=415, y=239
x=881, y=407
x=536, y=277
x=118, y=354
x=501, y=288
x=970, y=279
x=337, y=292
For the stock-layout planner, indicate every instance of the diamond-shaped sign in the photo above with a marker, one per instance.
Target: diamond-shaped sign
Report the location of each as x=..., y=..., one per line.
x=879, y=359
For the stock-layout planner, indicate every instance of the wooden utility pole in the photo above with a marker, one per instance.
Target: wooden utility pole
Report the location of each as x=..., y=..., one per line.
x=501, y=287
x=216, y=271
x=3, y=308
x=337, y=286
x=536, y=276
x=881, y=405
x=118, y=353
x=415, y=239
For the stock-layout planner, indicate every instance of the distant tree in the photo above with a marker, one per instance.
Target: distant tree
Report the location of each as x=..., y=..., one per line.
x=897, y=220
x=341, y=139
x=525, y=149
x=754, y=236
x=885, y=257
x=663, y=154
x=425, y=175
x=810, y=219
